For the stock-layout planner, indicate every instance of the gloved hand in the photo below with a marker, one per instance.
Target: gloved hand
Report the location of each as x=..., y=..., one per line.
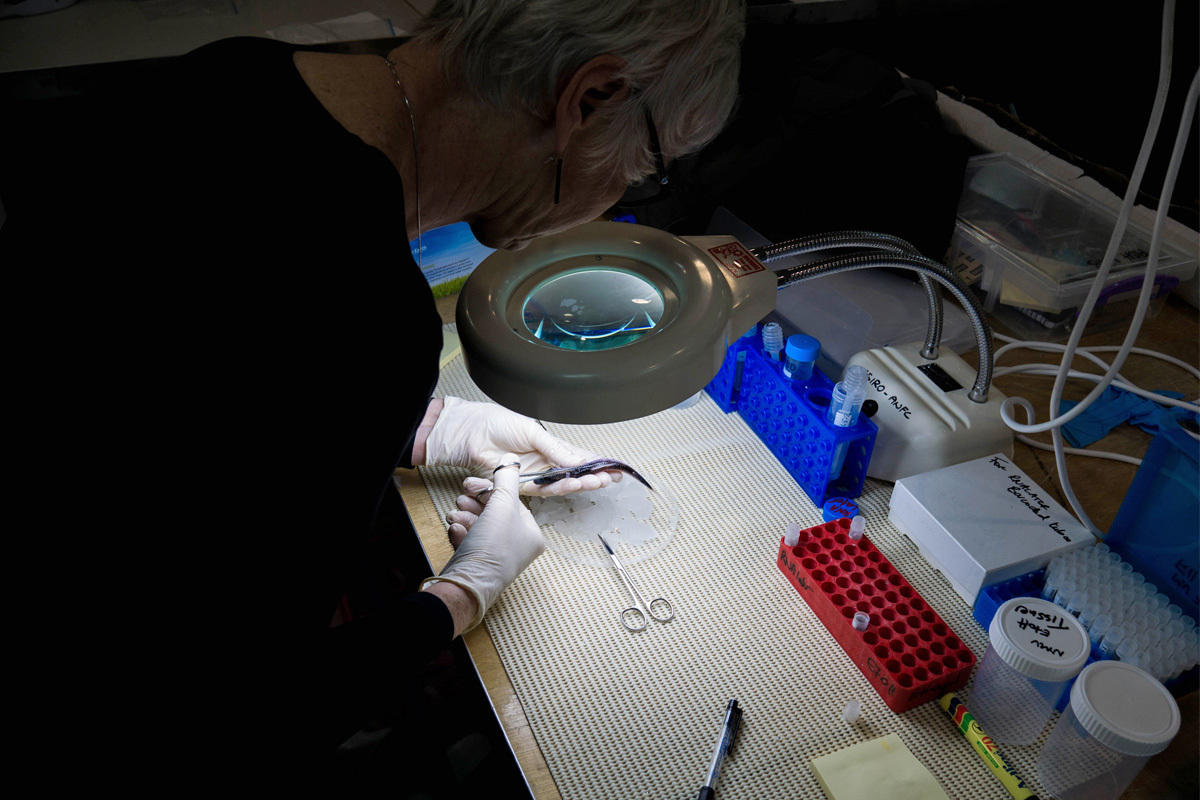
x=497, y=540
x=476, y=435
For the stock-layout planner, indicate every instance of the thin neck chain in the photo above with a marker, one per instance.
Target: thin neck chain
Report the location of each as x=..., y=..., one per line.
x=416, y=173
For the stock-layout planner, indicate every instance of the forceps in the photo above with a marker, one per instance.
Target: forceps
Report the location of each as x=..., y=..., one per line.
x=634, y=617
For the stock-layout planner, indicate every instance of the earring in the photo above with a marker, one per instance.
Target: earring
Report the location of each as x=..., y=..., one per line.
x=557, y=181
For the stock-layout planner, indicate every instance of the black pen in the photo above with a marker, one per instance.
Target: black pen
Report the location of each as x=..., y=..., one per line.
x=729, y=730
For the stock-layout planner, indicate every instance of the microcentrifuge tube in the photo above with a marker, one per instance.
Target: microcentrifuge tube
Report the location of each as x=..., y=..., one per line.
x=860, y=621
x=1076, y=603
x=791, y=534
x=772, y=339
x=845, y=403
x=1112, y=640
x=1065, y=593
x=852, y=711
x=1099, y=628
x=858, y=526
x=1050, y=587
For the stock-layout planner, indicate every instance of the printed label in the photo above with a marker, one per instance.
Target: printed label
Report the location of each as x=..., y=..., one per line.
x=736, y=259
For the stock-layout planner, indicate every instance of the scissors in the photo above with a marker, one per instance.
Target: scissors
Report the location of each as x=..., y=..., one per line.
x=635, y=617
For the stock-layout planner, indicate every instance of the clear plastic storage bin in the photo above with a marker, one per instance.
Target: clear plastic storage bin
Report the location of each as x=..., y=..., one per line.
x=1119, y=717
x=1034, y=649
x=1033, y=245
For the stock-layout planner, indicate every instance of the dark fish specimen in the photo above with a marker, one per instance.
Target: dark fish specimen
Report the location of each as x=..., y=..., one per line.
x=590, y=468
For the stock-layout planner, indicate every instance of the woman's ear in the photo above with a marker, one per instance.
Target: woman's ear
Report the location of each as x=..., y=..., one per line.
x=593, y=86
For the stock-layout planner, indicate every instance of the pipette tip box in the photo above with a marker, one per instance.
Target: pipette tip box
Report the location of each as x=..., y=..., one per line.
x=907, y=652
x=983, y=522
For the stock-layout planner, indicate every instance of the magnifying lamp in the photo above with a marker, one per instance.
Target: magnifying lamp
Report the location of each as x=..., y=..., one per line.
x=608, y=321
x=613, y=321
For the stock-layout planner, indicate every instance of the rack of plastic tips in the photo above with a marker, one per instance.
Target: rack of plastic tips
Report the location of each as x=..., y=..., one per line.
x=1125, y=615
x=905, y=650
x=790, y=419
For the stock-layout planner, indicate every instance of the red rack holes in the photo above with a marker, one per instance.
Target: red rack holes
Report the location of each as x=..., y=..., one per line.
x=907, y=652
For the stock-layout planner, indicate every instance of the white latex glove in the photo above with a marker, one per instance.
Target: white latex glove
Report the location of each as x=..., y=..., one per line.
x=477, y=435
x=498, y=540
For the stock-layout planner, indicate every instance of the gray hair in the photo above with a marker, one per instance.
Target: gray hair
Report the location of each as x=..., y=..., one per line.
x=682, y=58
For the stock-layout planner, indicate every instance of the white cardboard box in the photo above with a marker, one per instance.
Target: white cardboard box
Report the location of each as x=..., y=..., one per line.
x=983, y=522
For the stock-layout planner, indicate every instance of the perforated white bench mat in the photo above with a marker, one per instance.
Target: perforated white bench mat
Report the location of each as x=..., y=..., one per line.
x=636, y=715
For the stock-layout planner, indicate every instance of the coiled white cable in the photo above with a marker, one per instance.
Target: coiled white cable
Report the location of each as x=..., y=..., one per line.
x=1056, y=421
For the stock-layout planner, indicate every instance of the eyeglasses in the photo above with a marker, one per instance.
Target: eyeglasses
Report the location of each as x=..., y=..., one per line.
x=653, y=189
x=660, y=168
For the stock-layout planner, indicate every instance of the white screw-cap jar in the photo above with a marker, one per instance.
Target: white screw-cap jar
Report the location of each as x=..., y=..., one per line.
x=1035, y=647
x=1118, y=718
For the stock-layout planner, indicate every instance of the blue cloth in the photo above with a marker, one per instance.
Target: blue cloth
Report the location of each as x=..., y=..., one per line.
x=1115, y=406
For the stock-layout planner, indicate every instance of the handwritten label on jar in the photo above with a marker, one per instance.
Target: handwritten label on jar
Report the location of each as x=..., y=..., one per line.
x=1044, y=630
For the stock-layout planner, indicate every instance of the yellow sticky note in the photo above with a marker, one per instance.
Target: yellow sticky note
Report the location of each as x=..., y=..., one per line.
x=883, y=767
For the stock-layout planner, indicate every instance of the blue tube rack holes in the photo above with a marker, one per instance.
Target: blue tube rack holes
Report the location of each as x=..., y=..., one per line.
x=790, y=420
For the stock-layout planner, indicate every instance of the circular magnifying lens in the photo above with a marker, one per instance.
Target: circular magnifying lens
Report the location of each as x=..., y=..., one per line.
x=593, y=309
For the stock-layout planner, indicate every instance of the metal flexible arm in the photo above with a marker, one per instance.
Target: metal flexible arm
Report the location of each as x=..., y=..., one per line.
x=922, y=266
x=866, y=240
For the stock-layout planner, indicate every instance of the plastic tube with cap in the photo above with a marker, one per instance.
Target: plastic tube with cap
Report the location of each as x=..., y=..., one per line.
x=860, y=621
x=772, y=339
x=791, y=534
x=845, y=403
x=799, y=356
x=852, y=711
x=858, y=526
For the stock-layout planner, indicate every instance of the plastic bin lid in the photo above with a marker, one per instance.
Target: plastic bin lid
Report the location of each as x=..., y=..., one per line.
x=1125, y=708
x=1040, y=640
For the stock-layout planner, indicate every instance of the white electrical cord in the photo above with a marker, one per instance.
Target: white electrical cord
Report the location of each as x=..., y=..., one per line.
x=1057, y=420
x=1075, y=451
x=1052, y=370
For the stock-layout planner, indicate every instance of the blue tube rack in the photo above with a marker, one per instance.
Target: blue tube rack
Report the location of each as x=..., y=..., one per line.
x=790, y=420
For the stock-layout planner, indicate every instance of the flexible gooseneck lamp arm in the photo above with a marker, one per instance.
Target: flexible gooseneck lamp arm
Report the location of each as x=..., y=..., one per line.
x=925, y=267
x=867, y=240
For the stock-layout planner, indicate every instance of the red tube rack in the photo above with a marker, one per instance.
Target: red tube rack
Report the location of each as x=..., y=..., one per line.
x=906, y=652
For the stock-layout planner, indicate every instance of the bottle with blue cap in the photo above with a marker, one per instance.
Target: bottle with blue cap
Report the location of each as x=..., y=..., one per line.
x=800, y=355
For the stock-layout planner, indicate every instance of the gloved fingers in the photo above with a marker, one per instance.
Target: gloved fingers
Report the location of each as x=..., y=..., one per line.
x=456, y=533
x=464, y=518
x=468, y=502
x=505, y=478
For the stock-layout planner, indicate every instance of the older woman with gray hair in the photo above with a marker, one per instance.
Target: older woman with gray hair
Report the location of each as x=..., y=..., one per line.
x=268, y=330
